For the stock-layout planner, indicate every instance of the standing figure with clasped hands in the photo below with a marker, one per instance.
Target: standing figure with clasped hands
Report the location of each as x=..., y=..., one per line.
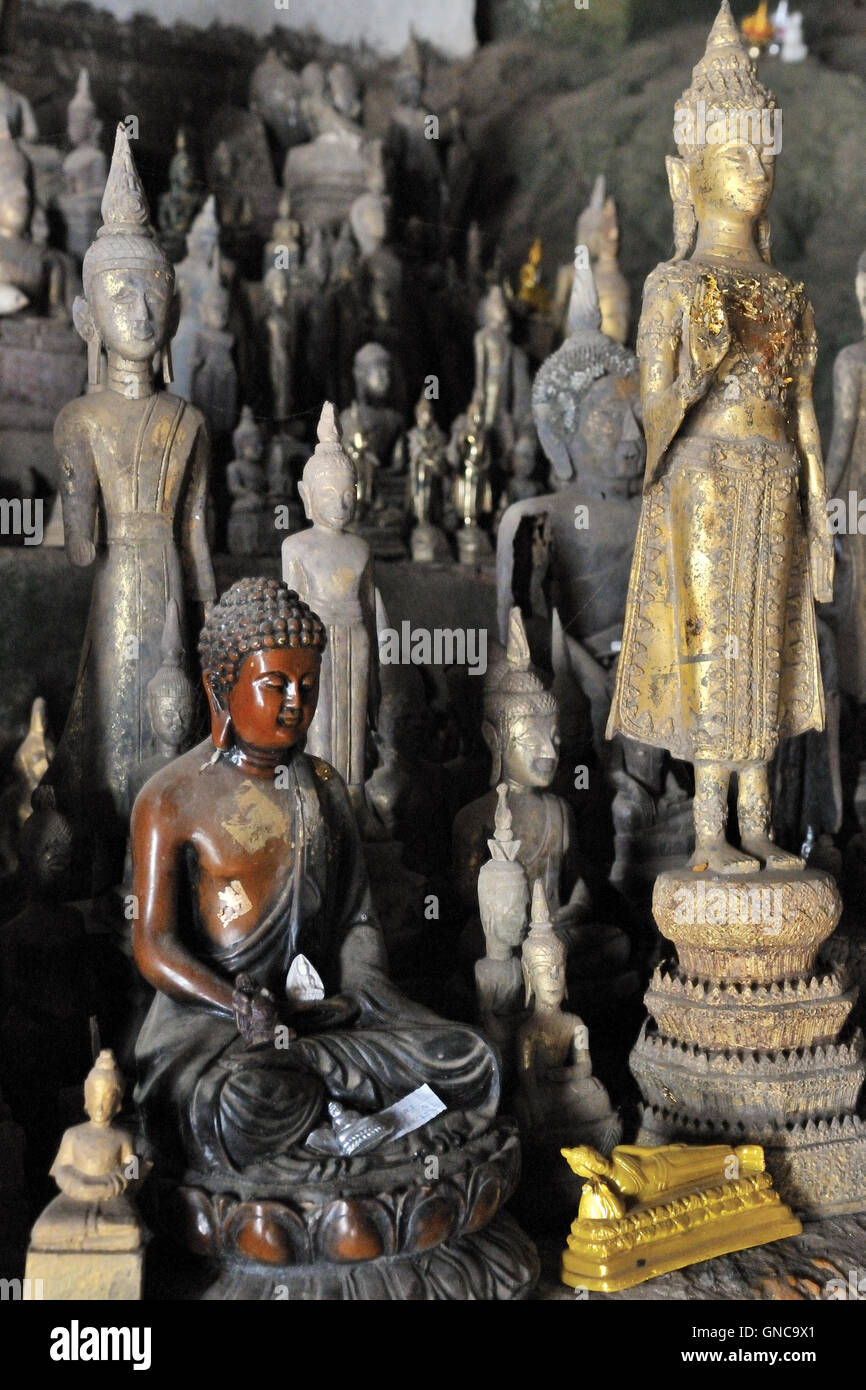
x=720, y=655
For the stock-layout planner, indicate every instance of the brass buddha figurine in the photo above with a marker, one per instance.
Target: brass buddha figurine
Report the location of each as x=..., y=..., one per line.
x=136, y=457
x=333, y=569
x=273, y=1008
x=85, y=169
x=469, y=456
x=720, y=655
x=597, y=230
x=421, y=454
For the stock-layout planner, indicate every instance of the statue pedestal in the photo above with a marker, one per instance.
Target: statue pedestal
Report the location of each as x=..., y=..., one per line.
x=80, y=1251
x=431, y=1229
x=749, y=1036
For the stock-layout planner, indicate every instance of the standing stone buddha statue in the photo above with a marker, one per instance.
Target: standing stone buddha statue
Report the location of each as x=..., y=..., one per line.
x=133, y=469
x=720, y=654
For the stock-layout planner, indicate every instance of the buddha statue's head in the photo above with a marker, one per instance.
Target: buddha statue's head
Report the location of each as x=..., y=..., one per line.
x=129, y=304
x=726, y=129
x=521, y=720
x=103, y=1090
x=16, y=183
x=586, y=399
x=373, y=369
x=170, y=694
x=46, y=846
x=494, y=313
x=368, y=217
x=345, y=91
x=202, y=239
x=247, y=438
x=261, y=652
x=543, y=956
x=181, y=170
x=860, y=287
x=82, y=124
x=409, y=77
x=503, y=890
x=328, y=487
x=424, y=417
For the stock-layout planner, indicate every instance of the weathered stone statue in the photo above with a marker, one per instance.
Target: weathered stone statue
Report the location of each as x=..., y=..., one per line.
x=137, y=457
x=281, y=327
x=521, y=731
x=333, y=569
x=585, y=404
x=720, y=662
x=846, y=473
x=379, y=277
x=557, y=1093
x=469, y=455
x=251, y=521
x=193, y=278
x=415, y=157
x=501, y=374
x=178, y=206
x=171, y=704
x=598, y=231
x=281, y=1014
x=503, y=901
x=25, y=267
x=214, y=382
x=87, y=1244
x=374, y=383
x=283, y=250
x=84, y=171
x=420, y=453
x=275, y=96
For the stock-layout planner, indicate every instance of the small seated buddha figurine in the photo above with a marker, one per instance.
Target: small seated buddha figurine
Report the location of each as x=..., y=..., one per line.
x=379, y=421
x=333, y=569
x=720, y=652
x=521, y=730
x=503, y=901
x=251, y=522
x=137, y=458
x=96, y=1168
x=85, y=169
x=556, y=1091
x=531, y=292
x=273, y=1004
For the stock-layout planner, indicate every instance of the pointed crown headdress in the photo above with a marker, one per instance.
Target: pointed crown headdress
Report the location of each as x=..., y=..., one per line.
x=329, y=452
x=542, y=946
x=724, y=80
x=82, y=100
x=170, y=678
x=126, y=240
x=512, y=688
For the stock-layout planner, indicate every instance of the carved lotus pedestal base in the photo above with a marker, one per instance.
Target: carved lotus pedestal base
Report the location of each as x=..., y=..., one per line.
x=749, y=1038
x=416, y=1234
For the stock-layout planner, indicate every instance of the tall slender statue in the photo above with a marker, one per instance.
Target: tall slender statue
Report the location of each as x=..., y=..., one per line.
x=333, y=570
x=137, y=458
x=720, y=655
x=84, y=170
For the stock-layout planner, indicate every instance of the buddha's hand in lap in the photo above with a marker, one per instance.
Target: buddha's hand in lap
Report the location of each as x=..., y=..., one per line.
x=319, y=1015
x=256, y=1013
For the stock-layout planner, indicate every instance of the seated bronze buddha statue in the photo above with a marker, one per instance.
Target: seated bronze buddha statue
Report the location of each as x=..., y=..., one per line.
x=250, y=878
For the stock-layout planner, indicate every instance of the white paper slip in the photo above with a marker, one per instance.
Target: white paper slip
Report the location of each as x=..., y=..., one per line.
x=412, y=1111
x=303, y=982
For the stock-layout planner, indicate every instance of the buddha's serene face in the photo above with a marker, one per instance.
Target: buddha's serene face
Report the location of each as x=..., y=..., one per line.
x=133, y=309
x=79, y=126
x=610, y=441
x=495, y=311
x=373, y=380
x=344, y=91
x=274, y=698
x=102, y=1100
x=504, y=919
x=329, y=497
x=16, y=206
x=547, y=976
x=531, y=752
x=734, y=178
x=171, y=717
x=860, y=285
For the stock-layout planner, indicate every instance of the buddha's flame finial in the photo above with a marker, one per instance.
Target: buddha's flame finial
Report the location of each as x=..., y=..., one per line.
x=328, y=429
x=724, y=30
x=124, y=206
x=517, y=647
x=503, y=847
x=584, y=313
x=171, y=642
x=540, y=912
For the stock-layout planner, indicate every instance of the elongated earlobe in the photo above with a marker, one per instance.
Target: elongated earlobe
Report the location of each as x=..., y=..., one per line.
x=220, y=719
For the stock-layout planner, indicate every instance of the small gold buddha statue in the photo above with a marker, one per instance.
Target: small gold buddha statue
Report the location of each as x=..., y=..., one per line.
x=531, y=291
x=720, y=653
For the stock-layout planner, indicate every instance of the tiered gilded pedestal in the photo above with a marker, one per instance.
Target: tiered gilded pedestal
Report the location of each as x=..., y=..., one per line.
x=750, y=1037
